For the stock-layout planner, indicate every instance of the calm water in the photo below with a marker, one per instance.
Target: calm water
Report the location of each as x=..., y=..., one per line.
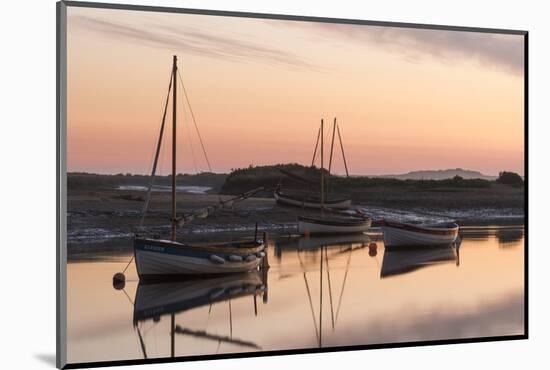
x=318, y=292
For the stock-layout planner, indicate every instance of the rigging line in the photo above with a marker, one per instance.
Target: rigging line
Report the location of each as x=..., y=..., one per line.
x=332, y=145
x=316, y=145
x=192, y=149
x=142, y=344
x=342, y=147
x=321, y=299
x=329, y=290
x=196, y=128
x=127, y=296
x=185, y=123
x=343, y=286
x=309, y=296
x=195, y=122
x=330, y=158
x=152, y=157
x=230, y=321
x=131, y=259
x=155, y=163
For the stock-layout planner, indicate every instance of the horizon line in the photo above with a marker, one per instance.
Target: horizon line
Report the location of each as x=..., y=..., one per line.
x=115, y=173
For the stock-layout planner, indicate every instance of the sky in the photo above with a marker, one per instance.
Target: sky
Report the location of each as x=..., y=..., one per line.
x=404, y=99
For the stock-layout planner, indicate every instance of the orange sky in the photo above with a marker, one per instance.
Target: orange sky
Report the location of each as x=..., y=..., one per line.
x=405, y=99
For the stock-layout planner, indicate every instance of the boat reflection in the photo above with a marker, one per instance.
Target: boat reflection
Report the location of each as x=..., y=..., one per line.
x=153, y=301
x=314, y=242
x=509, y=237
x=402, y=261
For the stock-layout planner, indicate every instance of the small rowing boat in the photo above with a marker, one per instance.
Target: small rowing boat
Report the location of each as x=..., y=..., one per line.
x=302, y=199
x=397, y=234
x=329, y=224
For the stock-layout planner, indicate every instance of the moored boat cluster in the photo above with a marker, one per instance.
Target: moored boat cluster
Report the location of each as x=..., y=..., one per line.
x=318, y=213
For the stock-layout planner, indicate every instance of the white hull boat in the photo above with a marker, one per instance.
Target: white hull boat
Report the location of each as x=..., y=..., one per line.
x=398, y=234
x=157, y=258
x=332, y=225
x=164, y=258
x=304, y=201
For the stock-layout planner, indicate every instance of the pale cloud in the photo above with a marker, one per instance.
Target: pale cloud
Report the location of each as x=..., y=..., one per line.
x=503, y=51
x=189, y=39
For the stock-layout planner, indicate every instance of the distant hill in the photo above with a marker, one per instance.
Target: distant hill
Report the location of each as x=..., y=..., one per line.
x=440, y=175
x=308, y=178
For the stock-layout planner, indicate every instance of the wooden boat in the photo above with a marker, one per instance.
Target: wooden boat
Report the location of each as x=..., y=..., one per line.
x=329, y=224
x=397, y=262
x=162, y=258
x=397, y=234
x=168, y=258
x=304, y=199
x=315, y=200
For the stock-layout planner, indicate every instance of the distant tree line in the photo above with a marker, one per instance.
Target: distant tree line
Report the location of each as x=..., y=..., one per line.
x=82, y=180
x=509, y=178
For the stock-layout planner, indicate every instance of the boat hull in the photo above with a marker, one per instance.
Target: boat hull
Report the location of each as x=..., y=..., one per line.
x=319, y=226
x=285, y=200
x=405, y=235
x=161, y=259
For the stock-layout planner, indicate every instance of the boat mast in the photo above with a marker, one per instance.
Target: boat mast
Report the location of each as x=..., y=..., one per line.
x=174, y=100
x=322, y=167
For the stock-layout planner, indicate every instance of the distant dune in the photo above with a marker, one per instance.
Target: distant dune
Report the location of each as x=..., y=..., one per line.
x=440, y=175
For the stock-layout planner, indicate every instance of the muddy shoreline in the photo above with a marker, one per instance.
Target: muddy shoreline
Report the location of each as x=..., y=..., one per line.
x=99, y=219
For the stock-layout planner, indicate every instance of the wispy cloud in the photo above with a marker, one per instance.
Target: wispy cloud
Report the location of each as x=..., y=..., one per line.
x=190, y=40
x=497, y=50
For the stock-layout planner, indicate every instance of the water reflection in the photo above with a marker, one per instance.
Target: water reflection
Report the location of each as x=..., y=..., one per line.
x=323, y=292
x=313, y=242
x=155, y=301
x=402, y=261
x=509, y=237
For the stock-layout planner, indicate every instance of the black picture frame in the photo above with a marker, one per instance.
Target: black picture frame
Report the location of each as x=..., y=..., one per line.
x=61, y=195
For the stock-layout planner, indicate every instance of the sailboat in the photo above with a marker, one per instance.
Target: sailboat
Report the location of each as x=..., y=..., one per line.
x=331, y=223
x=299, y=198
x=308, y=199
x=160, y=258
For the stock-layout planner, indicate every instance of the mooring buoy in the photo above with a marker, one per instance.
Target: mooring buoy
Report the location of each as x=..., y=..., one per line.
x=119, y=281
x=373, y=249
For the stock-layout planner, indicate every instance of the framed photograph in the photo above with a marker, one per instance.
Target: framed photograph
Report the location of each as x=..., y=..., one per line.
x=236, y=184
